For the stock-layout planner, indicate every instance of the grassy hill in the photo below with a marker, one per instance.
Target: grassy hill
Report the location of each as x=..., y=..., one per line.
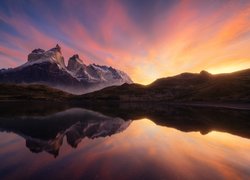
x=31, y=92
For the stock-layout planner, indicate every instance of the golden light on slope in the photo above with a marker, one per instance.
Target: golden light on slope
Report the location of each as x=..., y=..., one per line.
x=228, y=68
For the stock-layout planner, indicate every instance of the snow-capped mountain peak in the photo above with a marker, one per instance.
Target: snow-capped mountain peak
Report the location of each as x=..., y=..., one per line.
x=96, y=73
x=53, y=55
x=48, y=67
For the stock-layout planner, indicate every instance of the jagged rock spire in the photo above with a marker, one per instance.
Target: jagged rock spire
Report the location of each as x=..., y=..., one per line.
x=58, y=48
x=75, y=56
x=75, y=62
x=36, y=54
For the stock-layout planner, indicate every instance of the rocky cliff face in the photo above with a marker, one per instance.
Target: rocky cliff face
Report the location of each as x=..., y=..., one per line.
x=48, y=67
x=95, y=73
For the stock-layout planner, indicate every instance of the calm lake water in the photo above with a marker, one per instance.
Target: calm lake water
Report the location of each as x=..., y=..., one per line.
x=129, y=143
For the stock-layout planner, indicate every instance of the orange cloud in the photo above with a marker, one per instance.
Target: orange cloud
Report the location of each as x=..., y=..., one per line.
x=190, y=36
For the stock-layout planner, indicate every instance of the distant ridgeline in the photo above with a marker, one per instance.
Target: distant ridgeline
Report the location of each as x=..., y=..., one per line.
x=186, y=87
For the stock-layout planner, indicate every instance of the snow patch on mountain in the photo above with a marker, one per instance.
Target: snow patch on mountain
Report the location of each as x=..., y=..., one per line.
x=48, y=67
x=96, y=73
x=53, y=55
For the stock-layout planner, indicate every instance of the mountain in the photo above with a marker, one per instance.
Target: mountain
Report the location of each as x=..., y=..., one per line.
x=101, y=76
x=186, y=87
x=48, y=68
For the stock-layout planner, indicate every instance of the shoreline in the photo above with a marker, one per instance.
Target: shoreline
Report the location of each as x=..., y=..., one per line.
x=226, y=105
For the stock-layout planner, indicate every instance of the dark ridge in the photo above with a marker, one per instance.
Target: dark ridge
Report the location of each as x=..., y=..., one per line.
x=185, y=87
x=31, y=92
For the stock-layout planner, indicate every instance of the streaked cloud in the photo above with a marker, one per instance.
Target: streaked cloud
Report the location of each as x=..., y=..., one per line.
x=147, y=39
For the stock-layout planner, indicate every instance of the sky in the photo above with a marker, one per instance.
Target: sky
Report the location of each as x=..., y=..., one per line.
x=148, y=39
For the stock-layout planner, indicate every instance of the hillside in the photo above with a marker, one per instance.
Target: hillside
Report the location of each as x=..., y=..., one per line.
x=31, y=92
x=186, y=87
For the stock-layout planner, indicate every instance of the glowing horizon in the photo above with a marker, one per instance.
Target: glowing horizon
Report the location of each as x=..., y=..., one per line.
x=146, y=39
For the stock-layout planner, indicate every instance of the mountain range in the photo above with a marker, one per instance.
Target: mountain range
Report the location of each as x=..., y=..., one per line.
x=184, y=88
x=45, y=72
x=48, y=68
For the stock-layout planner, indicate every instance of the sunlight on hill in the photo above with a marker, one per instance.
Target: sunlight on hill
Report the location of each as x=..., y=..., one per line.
x=231, y=67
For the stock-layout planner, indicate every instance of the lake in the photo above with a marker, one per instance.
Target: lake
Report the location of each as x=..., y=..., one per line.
x=125, y=141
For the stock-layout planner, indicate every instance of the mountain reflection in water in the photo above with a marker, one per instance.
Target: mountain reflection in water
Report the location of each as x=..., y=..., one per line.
x=46, y=133
x=123, y=142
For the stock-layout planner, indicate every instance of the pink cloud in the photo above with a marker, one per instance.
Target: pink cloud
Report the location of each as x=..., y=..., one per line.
x=184, y=38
